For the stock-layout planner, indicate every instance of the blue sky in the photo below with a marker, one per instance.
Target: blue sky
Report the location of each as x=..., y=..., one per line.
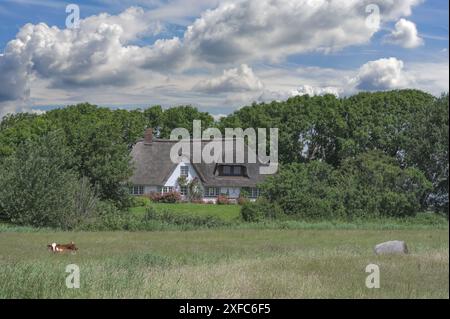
x=217, y=55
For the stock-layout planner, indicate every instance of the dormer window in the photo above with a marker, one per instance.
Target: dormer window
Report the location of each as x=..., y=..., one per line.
x=231, y=170
x=226, y=170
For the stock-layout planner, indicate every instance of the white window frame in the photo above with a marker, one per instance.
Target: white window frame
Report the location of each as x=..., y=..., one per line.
x=254, y=192
x=215, y=193
x=186, y=173
x=166, y=189
x=183, y=190
x=137, y=190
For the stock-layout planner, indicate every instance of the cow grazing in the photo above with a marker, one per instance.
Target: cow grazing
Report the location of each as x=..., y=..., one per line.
x=60, y=248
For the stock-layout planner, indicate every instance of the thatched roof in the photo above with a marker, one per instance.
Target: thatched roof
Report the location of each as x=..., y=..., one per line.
x=153, y=166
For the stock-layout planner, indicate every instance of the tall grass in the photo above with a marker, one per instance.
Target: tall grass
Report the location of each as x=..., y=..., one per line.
x=227, y=263
x=164, y=220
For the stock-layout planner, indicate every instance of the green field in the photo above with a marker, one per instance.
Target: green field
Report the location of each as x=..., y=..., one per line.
x=225, y=263
x=225, y=212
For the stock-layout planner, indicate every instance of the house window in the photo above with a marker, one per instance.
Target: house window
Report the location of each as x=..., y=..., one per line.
x=183, y=190
x=212, y=192
x=228, y=170
x=254, y=192
x=137, y=190
x=184, y=171
x=167, y=189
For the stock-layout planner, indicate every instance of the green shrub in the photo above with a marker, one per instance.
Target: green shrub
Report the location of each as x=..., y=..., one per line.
x=242, y=200
x=306, y=190
x=141, y=201
x=38, y=189
x=182, y=219
x=106, y=217
x=430, y=218
x=260, y=210
x=373, y=183
x=369, y=185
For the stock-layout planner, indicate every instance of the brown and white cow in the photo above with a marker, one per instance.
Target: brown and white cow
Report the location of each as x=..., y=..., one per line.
x=60, y=248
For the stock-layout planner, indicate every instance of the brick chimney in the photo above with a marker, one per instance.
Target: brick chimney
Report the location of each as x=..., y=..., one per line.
x=148, y=136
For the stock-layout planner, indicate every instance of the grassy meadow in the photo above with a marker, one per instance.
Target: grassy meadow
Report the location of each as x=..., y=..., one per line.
x=225, y=263
x=225, y=212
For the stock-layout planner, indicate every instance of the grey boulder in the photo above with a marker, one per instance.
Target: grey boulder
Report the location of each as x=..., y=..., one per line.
x=391, y=247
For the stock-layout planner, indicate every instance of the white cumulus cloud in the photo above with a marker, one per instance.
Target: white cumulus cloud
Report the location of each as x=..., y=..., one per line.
x=405, y=34
x=274, y=29
x=239, y=79
x=103, y=54
x=381, y=74
x=312, y=90
x=97, y=53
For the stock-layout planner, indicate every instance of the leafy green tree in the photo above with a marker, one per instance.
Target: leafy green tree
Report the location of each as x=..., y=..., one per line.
x=426, y=148
x=15, y=128
x=305, y=190
x=183, y=117
x=374, y=184
x=99, y=147
x=408, y=125
x=370, y=185
x=37, y=187
x=154, y=117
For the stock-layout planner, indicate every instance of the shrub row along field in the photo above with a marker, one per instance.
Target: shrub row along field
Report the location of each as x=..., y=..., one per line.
x=225, y=263
x=225, y=212
x=189, y=216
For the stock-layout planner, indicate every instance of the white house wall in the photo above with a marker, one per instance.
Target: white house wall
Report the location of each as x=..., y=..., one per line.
x=173, y=179
x=233, y=192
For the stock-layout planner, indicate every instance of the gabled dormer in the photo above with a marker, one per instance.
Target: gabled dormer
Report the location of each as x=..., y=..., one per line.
x=227, y=170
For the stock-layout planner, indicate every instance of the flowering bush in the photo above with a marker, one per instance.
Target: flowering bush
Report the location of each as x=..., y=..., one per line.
x=170, y=197
x=222, y=200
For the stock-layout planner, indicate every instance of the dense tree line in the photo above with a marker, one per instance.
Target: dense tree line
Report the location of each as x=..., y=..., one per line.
x=387, y=150
x=409, y=126
x=44, y=158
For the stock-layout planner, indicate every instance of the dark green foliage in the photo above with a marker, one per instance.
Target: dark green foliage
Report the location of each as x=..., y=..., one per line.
x=307, y=190
x=408, y=125
x=109, y=218
x=260, y=210
x=377, y=154
x=182, y=116
x=182, y=219
x=37, y=188
x=374, y=184
x=427, y=150
x=140, y=201
x=99, y=139
x=99, y=144
x=370, y=185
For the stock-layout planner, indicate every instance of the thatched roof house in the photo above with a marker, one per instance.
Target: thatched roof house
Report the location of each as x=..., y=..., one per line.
x=154, y=171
